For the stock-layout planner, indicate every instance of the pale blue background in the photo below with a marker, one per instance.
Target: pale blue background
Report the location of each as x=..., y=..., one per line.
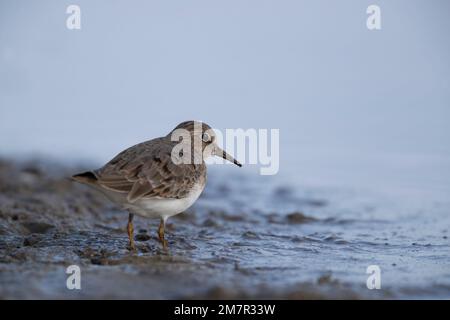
x=354, y=107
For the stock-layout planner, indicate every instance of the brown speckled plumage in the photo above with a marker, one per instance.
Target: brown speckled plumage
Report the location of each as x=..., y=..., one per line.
x=145, y=180
x=146, y=170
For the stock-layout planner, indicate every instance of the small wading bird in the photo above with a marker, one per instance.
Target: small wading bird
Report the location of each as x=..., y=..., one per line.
x=153, y=179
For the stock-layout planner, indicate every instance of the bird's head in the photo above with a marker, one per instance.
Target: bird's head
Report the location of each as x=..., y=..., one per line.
x=202, y=139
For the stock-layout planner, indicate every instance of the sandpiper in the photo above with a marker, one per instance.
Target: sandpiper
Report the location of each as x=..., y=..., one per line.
x=158, y=178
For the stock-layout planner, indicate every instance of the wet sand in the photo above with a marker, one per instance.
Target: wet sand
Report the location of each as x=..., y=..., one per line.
x=219, y=249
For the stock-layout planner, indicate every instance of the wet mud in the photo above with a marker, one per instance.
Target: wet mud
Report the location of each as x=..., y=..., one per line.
x=227, y=246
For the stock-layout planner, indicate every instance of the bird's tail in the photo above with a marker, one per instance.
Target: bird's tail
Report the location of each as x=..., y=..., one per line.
x=87, y=177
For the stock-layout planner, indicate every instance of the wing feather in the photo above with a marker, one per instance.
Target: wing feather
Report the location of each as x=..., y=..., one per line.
x=146, y=170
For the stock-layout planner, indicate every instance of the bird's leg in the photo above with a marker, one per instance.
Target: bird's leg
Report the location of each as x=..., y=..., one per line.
x=130, y=231
x=161, y=233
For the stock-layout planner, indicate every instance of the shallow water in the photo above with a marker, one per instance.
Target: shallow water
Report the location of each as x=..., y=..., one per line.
x=300, y=233
x=246, y=237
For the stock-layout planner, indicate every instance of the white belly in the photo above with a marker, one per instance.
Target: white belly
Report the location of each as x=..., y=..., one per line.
x=156, y=207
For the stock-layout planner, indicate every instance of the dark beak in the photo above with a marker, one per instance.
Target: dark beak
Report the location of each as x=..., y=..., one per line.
x=221, y=153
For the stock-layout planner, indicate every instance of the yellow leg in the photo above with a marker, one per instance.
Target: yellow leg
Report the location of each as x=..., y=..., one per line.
x=161, y=234
x=130, y=231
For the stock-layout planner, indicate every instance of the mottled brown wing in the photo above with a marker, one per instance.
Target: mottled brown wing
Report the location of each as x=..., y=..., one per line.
x=146, y=170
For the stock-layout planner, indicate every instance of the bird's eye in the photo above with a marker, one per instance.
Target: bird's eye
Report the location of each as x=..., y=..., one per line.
x=206, y=137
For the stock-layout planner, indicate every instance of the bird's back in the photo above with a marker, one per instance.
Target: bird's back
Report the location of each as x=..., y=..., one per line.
x=146, y=170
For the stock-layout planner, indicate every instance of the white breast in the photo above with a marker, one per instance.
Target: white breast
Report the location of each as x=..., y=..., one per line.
x=159, y=207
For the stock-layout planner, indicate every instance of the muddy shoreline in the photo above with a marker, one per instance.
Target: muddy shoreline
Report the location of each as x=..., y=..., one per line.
x=48, y=222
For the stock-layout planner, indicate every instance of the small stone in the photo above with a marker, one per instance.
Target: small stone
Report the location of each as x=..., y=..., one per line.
x=142, y=237
x=37, y=227
x=31, y=240
x=210, y=223
x=99, y=261
x=250, y=235
x=298, y=217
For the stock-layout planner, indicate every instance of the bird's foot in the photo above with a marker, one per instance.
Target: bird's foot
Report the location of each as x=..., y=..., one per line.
x=131, y=247
x=165, y=244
